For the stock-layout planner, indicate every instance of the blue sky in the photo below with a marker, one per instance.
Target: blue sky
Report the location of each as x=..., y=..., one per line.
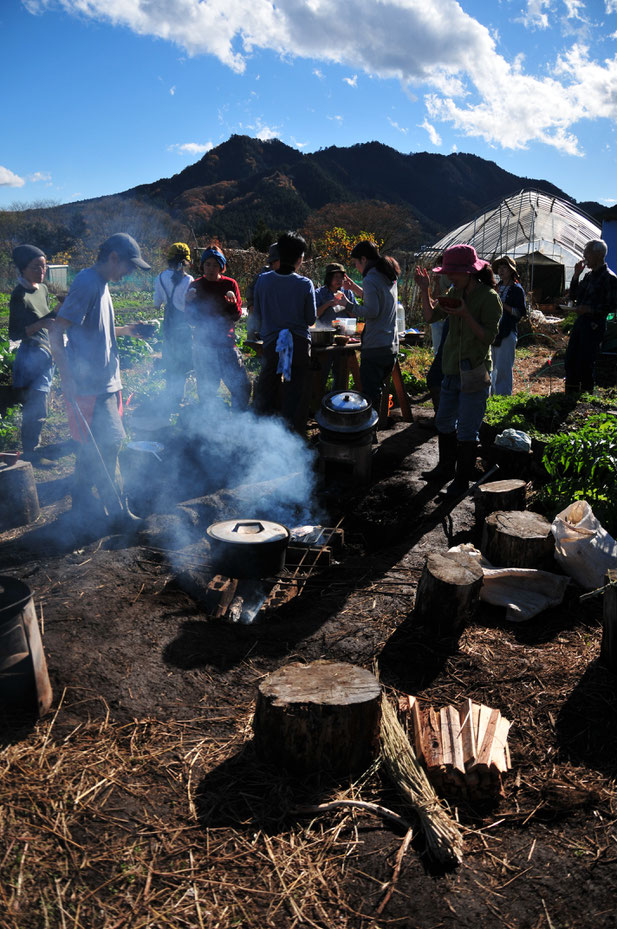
x=101, y=95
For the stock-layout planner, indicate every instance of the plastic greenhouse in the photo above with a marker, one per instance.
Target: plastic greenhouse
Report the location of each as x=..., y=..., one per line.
x=544, y=234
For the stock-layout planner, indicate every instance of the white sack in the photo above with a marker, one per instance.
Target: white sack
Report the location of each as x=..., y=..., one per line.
x=583, y=548
x=524, y=592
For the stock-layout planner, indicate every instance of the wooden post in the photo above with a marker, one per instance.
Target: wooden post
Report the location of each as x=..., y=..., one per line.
x=518, y=540
x=499, y=495
x=322, y=716
x=608, y=652
x=448, y=591
x=19, y=501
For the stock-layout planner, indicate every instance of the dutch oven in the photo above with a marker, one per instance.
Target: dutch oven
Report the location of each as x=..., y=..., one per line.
x=247, y=548
x=347, y=413
x=322, y=336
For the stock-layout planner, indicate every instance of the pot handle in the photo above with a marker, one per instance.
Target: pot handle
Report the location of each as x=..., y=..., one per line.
x=253, y=527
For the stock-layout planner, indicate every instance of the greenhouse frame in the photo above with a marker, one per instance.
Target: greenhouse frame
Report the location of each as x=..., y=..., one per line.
x=545, y=235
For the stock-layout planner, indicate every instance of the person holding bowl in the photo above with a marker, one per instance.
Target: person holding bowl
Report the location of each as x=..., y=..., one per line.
x=474, y=309
x=29, y=321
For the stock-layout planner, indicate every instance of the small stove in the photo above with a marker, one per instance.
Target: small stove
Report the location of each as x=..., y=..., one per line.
x=346, y=423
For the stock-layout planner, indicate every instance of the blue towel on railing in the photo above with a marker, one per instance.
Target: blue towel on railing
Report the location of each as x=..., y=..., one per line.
x=285, y=349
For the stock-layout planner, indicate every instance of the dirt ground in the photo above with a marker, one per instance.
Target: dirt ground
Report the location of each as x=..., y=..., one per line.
x=139, y=802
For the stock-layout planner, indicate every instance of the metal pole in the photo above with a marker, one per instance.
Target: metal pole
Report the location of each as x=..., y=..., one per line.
x=86, y=426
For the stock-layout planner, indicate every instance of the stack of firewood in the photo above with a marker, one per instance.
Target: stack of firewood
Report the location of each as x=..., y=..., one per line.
x=464, y=749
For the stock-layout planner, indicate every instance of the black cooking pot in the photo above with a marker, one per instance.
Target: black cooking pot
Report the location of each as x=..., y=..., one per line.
x=246, y=548
x=346, y=412
x=322, y=336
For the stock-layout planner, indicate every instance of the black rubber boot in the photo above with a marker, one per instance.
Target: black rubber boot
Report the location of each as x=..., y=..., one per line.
x=466, y=454
x=444, y=470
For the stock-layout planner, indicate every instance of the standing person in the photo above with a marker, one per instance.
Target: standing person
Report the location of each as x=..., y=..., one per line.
x=284, y=310
x=272, y=264
x=595, y=296
x=512, y=298
x=90, y=371
x=466, y=360
x=33, y=370
x=333, y=299
x=379, y=304
x=170, y=289
x=214, y=307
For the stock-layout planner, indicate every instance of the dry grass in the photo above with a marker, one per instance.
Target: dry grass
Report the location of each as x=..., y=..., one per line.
x=153, y=824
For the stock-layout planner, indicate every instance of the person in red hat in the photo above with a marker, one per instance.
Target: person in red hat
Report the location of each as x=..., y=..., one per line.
x=474, y=309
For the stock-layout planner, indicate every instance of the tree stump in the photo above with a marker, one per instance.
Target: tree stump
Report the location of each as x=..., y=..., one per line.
x=19, y=501
x=518, y=540
x=448, y=591
x=323, y=716
x=24, y=680
x=499, y=495
x=608, y=651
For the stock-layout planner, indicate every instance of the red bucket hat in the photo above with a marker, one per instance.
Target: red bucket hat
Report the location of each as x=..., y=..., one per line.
x=460, y=259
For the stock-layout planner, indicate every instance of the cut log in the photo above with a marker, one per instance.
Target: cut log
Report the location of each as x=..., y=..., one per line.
x=19, y=501
x=608, y=651
x=448, y=591
x=323, y=716
x=518, y=540
x=499, y=495
x=24, y=680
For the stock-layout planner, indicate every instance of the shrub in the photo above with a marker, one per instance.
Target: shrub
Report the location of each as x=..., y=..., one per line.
x=582, y=465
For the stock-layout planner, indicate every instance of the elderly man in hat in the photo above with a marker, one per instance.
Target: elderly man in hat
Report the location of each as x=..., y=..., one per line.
x=90, y=371
x=594, y=296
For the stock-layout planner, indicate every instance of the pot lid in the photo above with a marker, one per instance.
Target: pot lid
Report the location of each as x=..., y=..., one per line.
x=248, y=531
x=348, y=401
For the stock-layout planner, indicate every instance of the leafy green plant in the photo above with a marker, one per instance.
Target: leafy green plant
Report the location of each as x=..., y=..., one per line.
x=582, y=465
x=536, y=415
x=9, y=428
x=131, y=350
x=7, y=357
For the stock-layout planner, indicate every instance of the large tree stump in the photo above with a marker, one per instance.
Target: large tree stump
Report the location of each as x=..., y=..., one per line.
x=322, y=716
x=518, y=540
x=19, y=501
x=499, y=495
x=448, y=591
x=608, y=651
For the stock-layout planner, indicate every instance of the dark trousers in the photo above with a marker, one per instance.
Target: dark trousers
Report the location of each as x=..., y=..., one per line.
x=289, y=398
x=375, y=366
x=178, y=362
x=108, y=431
x=583, y=347
x=221, y=362
x=33, y=415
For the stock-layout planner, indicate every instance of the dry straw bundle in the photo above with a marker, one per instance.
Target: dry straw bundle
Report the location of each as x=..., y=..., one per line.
x=442, y=833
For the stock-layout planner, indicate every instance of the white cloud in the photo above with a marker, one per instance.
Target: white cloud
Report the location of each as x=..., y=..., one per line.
x=172, y=91
x=432, y=132
x=336, y=119
x=352, y=81
x=429, y=44
x=266, y=133
x=39, y=176
x=9, y=179
x=395, y=125
x=190, y=148
x=535, y=15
